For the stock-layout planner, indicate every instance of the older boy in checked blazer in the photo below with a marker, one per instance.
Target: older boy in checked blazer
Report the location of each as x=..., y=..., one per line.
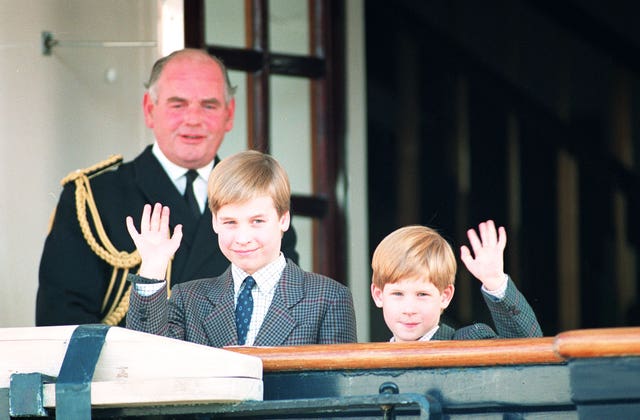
x=249, y=196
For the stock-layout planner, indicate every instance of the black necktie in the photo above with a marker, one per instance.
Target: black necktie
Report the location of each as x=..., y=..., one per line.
x=244, y=309
x=189, y=196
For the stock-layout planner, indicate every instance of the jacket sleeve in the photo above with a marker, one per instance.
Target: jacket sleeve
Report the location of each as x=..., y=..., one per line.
x=148, y=314
x=339, y=322
x=512, y=315
x=72, y=279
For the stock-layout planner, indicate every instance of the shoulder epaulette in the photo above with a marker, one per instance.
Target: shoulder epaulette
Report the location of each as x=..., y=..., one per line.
x=111, y=162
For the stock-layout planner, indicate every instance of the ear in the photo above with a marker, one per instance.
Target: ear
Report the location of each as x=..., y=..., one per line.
x=231, y=112
x=214, y=223
x=446, y=296
x=376, y=294
x=147, y=107
x=285, y=221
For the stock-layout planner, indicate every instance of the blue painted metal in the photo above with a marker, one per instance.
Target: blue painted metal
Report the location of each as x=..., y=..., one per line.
x=4, y=403
x=606, y=387
x=534, y=389
x=25, y=394
x=365, y=406
x=73, y=386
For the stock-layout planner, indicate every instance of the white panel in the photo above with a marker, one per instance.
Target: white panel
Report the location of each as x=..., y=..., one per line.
x=289, y=26
x=291, y=129
x=171, y=26
x=359, y=266
x=291, y=145
x=224, y=22
x=236, y=140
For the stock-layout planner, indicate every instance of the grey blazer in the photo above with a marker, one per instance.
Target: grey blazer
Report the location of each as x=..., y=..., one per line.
x=307, y=308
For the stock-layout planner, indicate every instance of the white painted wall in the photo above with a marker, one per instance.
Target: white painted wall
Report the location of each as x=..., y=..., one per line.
x=60, y=112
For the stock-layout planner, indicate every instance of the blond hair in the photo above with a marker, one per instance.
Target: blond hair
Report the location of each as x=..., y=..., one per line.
x=247, y=175
x=414, y=251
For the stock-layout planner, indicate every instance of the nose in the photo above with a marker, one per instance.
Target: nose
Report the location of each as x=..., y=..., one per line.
x=193, y=114
x=409, y=307
x=242, y=235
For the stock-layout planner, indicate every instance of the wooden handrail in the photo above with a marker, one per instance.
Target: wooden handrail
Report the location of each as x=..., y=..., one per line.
x=601, y=342
x=405, y=355
x=546, y=350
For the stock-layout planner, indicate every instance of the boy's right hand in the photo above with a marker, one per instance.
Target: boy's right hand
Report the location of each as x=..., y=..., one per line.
x=155, y=246
x=488, y=264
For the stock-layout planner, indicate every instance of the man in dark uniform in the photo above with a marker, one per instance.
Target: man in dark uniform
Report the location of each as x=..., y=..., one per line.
x=88, y=253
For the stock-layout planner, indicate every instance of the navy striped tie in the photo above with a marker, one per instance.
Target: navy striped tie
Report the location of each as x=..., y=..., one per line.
x=244, y=309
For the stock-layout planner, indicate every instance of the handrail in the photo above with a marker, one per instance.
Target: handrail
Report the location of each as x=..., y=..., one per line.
x=601, y=342
x=606, y=342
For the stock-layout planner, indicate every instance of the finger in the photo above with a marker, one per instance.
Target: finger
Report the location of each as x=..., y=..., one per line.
x=474, y=240
x=164, y=221
x=154, y=224
x=491, y=237
x=465, y=255
x=502, y=237
x=176, y=238
x=144, y=220
x=131, y=228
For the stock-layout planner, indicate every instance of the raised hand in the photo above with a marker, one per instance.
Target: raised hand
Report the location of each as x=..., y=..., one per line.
x=488, y=264
x=154, y=243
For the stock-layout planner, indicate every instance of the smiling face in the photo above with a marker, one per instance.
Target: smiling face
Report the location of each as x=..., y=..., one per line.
x=250, y=233
x=188, y=112
x=411, y=306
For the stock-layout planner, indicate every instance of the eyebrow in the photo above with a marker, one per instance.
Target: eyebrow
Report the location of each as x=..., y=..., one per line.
x=213, y=101
x=253, y=216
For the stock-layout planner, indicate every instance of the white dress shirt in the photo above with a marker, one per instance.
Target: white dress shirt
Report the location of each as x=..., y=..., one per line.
x=266, y=282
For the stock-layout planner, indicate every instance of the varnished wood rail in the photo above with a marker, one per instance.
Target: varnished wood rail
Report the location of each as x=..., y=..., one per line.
x=603, y=342
x=609, y=342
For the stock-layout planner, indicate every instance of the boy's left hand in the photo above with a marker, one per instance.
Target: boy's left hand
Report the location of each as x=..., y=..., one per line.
x=154, y=243
x=488, y=265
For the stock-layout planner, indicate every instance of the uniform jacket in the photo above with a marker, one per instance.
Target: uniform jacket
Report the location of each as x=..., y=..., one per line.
x=512, y=316
x=307, y=308
x=73, y=279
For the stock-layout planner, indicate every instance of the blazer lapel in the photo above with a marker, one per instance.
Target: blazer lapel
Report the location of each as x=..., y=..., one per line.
x=279, y=321
x=445, y=332
x=219, y=322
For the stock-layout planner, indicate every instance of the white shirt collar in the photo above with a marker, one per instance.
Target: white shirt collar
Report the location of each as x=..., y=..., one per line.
x=426, y=337
x=174, y=171
x=266, y=278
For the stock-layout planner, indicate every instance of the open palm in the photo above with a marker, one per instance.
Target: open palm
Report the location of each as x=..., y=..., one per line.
x=487, y=263
x=154, y=243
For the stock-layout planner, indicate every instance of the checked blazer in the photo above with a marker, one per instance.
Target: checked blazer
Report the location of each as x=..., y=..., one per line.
x=307, y=308
x=512, y=316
